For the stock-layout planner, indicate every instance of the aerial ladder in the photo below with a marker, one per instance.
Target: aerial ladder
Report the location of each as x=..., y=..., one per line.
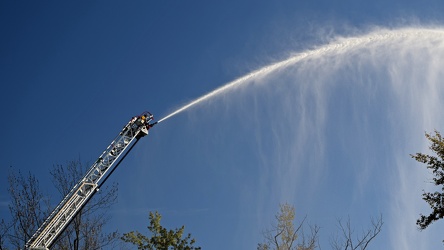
x=97, y=174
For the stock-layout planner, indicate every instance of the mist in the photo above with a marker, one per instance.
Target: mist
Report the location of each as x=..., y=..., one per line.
x=329, y=130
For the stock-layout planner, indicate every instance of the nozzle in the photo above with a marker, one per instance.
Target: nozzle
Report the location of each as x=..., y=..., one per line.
x=152, y=125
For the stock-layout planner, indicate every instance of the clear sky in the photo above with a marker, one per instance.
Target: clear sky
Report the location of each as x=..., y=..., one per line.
x=331, y=134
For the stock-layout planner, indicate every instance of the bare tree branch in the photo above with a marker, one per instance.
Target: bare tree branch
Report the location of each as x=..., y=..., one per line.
x=361, y=241
x=28, y=208
x=25, y=208
x=284, y=236
x=85, y=232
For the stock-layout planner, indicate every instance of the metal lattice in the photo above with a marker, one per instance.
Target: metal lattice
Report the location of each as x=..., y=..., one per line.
x=68, y=208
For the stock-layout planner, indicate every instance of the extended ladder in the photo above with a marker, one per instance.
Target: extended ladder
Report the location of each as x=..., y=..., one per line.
x=79, y=195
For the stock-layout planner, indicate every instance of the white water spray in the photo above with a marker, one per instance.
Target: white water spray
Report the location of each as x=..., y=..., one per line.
x=332, y=125
x=340, y=45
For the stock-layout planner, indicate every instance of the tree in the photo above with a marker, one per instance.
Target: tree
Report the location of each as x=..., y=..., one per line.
x=161, y=238
x=436, y=164
x=4, y=228
x=86, y=229
x=26, y=208
x=29, y=208
x=346, y=242
x=284, y=235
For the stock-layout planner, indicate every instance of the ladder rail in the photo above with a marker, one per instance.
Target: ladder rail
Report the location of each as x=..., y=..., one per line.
x=79, y=195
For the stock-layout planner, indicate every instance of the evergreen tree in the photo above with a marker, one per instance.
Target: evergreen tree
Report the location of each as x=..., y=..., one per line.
x=161, y=238
x=436, y=164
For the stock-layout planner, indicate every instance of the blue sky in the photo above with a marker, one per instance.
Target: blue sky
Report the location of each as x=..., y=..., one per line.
x=331, y=135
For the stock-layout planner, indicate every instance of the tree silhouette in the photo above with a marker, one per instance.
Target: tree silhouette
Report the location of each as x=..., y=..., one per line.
x=436, y=164
x=161, y=238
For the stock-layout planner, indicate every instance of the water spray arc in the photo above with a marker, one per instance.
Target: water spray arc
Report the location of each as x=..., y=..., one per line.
x=346, y=115
x=338, y=46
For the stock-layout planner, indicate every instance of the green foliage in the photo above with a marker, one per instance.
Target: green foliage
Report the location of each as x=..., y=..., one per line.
x=434, y=163
x=161, y=239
